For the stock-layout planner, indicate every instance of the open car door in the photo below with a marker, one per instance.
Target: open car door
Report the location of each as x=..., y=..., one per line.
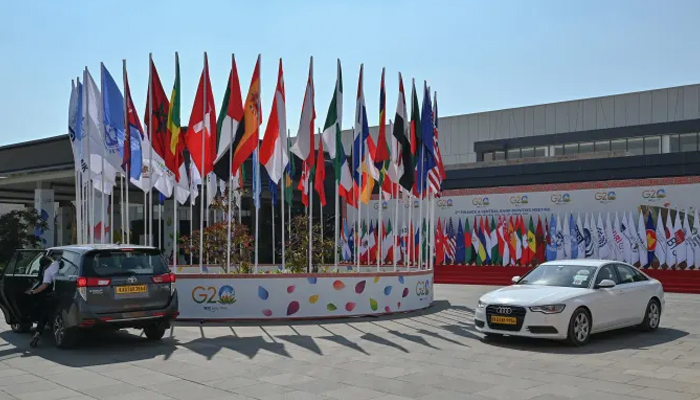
x=20, y=274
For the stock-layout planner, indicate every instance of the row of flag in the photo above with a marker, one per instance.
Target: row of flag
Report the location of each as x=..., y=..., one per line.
x=108, y=140
x=639, y=239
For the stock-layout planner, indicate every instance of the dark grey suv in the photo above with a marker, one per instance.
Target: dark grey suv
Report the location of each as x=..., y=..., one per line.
x=97, y=287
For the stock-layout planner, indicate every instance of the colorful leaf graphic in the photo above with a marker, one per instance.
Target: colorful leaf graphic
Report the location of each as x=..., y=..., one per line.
x=262, y=293
x=290, y=289
x=405, y=292
x=401, y=279
x=360, y=287
x=373, y=304
x=376, y=279
x=292, y=308
x=350, y=306
x=338, y=285
x=387, y=290
x=267, y=313
x=312, y=280
x=331, y=307
x=313, y=299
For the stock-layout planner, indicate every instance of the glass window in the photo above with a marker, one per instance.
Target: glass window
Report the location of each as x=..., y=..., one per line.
x=33, y=268
x=689, y=141
x=652, y=145
x=559, y=275
x=513, y=154
x=499, y=155
x=571, y=148
x=124, y=262
x=540, y=151
x=602, y=146
x=488, y=156
x=586, y=147
x=626, y=274
x=606, y=272
x=638, y=276
x=635, y=146
x=558, y=150
x=527, y=152
x=674, y=145
x=618, y=145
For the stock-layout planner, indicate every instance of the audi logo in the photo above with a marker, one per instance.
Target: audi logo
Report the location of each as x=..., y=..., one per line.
x=504, y=310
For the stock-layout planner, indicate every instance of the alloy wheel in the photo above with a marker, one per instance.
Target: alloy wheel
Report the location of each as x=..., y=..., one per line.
x=581, y=327
x=654, y=315
x=58, y=329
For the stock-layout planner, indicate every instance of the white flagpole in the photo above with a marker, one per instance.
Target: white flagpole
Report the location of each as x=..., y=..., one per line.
x=274, y=256
x=103, y=216
x=311, y=215
x=359, y=203
x=121, y=207
x=256, y=186
x=230, y=195
x=396, y=222
x=379, y=229
x=192, y=199
x=160, y=223
x=176, y=222
x=320, y=209
x=111, y=216
x=336, y=250
x=283, y=187
x=203, y=196
x=127, y=131
x=148, y=223
x=431, y=255
x=89, y=185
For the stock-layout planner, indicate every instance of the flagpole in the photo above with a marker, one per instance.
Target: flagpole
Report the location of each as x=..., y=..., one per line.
x=160, y=223
x=121, y=206
x=192, y=199
x=432, y=232
x=320, y=209
x=272, y=208
x=111, y=216
x=256, y=189
x=283, y=187
x=311, y=213
x=230, y=185
x=380, y=222
x=396, y=222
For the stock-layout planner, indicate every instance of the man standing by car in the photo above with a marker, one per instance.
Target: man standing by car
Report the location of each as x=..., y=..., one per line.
x=42, y=291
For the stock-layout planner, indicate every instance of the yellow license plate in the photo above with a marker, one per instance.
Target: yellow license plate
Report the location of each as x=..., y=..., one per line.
x=131, y=289
x=496, y=319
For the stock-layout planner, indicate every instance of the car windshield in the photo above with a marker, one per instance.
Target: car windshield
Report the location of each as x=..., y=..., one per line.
x=574, y=276
x=124, y=262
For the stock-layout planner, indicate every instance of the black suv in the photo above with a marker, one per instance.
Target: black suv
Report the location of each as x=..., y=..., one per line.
x=97, y=287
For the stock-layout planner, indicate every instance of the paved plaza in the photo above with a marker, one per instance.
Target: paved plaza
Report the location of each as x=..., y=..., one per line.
x=435, y=354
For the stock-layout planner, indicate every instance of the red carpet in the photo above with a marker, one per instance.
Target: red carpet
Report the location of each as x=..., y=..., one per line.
x=675, y=281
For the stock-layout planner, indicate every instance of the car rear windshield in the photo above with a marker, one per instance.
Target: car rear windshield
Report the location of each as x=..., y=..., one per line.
x=574, y=276
x=124, y=262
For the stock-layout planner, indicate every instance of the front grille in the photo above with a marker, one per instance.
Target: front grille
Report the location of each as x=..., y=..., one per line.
x=542, y=330
x=502, y=310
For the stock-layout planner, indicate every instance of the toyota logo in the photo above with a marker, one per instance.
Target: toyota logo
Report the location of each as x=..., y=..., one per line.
x=504, y=310
x=131, y=280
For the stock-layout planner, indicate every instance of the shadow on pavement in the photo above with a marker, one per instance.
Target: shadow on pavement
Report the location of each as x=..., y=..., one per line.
x=623, y=339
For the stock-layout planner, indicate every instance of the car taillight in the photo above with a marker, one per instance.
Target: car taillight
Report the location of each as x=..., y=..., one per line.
x=93, y=282
x=165, y=278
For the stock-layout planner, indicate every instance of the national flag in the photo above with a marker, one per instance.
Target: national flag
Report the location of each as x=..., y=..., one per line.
x=370, y=173
x=476, y=242
x=512, y=242
x=273, y=149
x=388, y=243
x=589, y=243
x=133, y=141
x=320, y=175
x=416, y=134
x=304, y=146
x=426, y=152
x=677, y=241
x=502, y=231
x=579, y=238
x=468, y=245
x=493, y=233
x=486, y=229
x=361, y=133
x=552, y=248
x=351, y=242
x=484, y=257
x=695, y=239
x=332, y=137
x=540, y=242
x=688, y=235
x=363, y=242
x=113, y=118
x=451, y=242
x=436, y=174
x=633, y=239
x=246, y=140
x=177, y=141
x=604, y=247
x=402, y=159
x=372, y=242
x=643, y=246
x=627, y=243
x=381, y=155
x=618, y=241
x=460, y=243
x=439, y=244
x=201, y=129
x=288, y=182
x=531, y=242
x=230, y=125
x=75, y=119
x=157, y=106
x=670, y=245
x=345, y=242
x=657, y=241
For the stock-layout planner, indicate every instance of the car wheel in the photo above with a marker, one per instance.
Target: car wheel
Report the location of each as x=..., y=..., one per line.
x=22, y=327
x=652, y=317
x=579, y=327
x=155, y=332
x=64, y=337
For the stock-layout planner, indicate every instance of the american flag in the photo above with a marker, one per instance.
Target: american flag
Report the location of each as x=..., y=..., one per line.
x=451, y=242
x=437, y=174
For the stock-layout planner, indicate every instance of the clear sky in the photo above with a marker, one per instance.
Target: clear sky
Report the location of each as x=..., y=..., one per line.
x=478, y=55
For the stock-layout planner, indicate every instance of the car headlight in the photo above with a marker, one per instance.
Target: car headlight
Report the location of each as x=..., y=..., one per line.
x=551, y=309
x=481, y=305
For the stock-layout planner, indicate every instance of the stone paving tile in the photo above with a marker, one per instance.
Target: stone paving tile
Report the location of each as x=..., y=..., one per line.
x=434, y=355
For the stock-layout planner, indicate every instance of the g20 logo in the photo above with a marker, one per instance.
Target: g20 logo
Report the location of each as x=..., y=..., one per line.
x=519, y=199
x=385, y=205
x=560, y=198
x=444, y=203
x=210, y=295
x=423, y=288
x=653, y=194
x=481, y=201
x=605, y=197
x=407, y=204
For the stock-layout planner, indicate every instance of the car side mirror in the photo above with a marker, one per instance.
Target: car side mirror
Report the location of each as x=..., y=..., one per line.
x=515, y=279
x=606, y=284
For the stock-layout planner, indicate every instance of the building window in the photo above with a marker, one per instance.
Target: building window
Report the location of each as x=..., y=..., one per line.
x=527, y=152
x=499, y=155
x=652, y=145
x=586, y=147
x=571, y=148
x=602, y=146
x=635, y=146
x=513, y=154
x=488, y=156
x=674, y=145
x=689, y=141
x=558, y=150
x=618, y=145
x=540, y=152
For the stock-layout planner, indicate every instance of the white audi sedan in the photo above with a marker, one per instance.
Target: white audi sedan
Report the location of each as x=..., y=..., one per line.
x=572, y=299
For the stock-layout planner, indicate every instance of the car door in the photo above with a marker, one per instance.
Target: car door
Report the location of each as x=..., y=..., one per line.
x=605, y=302
x=635, y=294
x=6, y=276
x=24, y=273
x=65, y=282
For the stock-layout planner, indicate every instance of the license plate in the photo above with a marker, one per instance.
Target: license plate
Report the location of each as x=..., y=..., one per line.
x=497, y=319
x=131, y=289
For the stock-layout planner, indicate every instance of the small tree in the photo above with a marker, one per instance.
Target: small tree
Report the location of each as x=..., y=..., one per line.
x=216, y=245
x=297, y=255
x=18, y=230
